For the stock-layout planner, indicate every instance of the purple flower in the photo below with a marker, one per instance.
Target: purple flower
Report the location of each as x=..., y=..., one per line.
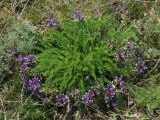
x=61, y=100
x=140, y=66
x=121, y=55
x=121, y=84
x=88, y=97
x=30, y=59
x=24, y=68
x=26, y=61
x=78, y=15
x=13, y=51
x=53, y=23
x=118, y=81
x=21, y=57
x=123, y=87
x=110, y=95
x=119, y=77
x=109, y=91
x=50, y=21
x=34, y=84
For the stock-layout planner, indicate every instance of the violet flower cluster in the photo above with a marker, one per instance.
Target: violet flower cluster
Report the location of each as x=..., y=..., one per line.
x=120, y=83
x=78, y=15
x=33, y=84
x=26, y=61
x=61, y=100
x=110, y=95
x=140, y=66
x=13, y=51
x=88, y=97
x=121, y=55
x=52, y=23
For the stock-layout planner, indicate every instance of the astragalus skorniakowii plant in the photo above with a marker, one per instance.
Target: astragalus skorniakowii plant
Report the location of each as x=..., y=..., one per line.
x=77, y=55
